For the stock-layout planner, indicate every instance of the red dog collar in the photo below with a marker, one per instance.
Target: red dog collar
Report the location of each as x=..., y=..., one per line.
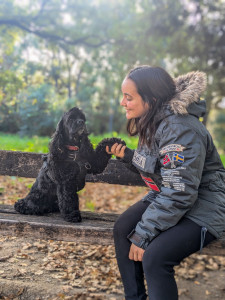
x=74, y=148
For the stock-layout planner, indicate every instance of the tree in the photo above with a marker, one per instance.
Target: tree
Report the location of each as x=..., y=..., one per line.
x=194, y=37
x=85, y=48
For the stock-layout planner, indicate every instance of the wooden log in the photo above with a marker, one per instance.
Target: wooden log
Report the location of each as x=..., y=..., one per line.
x=26, y=164
x=96, y=228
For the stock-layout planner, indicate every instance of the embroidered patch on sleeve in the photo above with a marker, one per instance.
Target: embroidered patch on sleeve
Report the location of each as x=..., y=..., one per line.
x=171, y=158
x=171, y=179
x=166, y=160
x=171, y=148
x=178, y=157
x=139, y=160
x=150, y=183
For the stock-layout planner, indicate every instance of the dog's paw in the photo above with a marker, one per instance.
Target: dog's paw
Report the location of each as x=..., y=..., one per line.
x=74, y=217
x=20, y=206
x=25, y=207
x=110, y=142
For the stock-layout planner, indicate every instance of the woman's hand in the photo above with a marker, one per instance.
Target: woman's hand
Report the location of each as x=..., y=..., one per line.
x=136, y=253
x=117, y=150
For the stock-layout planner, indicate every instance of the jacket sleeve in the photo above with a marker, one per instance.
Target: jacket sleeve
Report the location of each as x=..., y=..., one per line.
x=182, y=155
x=127, y=160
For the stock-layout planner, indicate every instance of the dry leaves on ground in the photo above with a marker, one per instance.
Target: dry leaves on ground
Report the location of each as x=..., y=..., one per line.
x=72, y=266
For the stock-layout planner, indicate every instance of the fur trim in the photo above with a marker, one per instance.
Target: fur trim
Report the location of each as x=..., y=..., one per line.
x=188, y=90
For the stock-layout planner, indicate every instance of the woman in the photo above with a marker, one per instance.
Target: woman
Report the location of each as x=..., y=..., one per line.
x=185, y=208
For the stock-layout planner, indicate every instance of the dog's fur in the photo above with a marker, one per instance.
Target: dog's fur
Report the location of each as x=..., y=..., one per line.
x=71, y=156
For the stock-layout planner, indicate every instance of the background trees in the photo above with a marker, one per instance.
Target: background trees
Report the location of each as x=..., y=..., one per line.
x=58, y=54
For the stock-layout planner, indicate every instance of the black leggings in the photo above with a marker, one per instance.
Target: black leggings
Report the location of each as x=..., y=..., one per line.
x=167, y=250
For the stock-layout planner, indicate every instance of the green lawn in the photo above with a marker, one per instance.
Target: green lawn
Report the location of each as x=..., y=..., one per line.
x=15, y=142
x=40, y=144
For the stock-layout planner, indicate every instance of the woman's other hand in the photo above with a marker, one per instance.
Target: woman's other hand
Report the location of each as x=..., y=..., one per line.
x=117, y=150
x=136, y=253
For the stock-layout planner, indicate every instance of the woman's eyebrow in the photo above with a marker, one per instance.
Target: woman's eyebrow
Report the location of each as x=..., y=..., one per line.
x=127, y=94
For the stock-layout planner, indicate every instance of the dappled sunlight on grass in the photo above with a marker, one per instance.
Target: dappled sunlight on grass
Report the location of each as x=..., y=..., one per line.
x=28, y=144
x=40, y=144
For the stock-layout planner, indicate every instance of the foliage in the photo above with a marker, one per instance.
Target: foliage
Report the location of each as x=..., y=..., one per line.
x=223, y=159
x=194, y=36
x=34, y=100
x=58, y=54
x=218, y=129
x=10, y=85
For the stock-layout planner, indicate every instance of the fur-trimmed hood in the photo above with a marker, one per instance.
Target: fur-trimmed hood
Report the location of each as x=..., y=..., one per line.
x=189, y=87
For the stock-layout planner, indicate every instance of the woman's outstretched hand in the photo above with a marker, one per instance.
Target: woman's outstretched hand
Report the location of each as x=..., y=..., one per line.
x=117, y=150
x=136, y=253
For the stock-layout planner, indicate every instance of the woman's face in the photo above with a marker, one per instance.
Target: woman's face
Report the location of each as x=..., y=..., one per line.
x=132, y=102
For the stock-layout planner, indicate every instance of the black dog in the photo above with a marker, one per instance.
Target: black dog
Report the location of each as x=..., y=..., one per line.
x=63, y=172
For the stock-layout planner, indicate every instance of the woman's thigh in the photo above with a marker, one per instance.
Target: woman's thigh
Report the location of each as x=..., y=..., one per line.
x=176, y=243
x=128, y=220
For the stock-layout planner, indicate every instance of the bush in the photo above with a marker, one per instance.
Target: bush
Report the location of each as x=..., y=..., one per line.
x=218, y=130
x=36, y=111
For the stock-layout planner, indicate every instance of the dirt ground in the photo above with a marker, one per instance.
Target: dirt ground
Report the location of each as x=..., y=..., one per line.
x=37, y=269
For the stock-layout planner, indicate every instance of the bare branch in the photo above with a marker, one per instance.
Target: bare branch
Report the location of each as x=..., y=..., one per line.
x=54, y=37
x=44, y=2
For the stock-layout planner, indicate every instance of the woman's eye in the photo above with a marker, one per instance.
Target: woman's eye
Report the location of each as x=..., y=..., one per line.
x=128, y=98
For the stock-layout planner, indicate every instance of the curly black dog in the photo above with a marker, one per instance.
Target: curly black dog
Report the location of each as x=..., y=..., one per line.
x=71, y=156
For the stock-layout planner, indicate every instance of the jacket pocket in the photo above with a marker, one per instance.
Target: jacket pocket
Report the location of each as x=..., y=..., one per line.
x=218, y=185
x=213, y=182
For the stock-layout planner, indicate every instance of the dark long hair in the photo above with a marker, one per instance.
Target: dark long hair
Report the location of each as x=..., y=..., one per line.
x=156, y=87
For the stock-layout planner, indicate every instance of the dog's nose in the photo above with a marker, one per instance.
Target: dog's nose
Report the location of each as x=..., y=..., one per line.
x=80, y=122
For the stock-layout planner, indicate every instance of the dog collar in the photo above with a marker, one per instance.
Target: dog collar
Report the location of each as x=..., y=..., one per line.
x=73, y=148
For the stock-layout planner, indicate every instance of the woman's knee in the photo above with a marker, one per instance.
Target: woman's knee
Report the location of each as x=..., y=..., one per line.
x=120, y=227
x=128, y=220
x=153, y=260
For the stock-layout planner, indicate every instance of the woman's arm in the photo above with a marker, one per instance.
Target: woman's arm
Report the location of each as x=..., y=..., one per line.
x=124, y=154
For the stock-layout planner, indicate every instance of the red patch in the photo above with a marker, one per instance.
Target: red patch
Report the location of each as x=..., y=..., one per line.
x=150, y=183
x=166, y=160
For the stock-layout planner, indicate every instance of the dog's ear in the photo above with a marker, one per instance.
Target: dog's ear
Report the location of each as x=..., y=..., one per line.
x=56, y=146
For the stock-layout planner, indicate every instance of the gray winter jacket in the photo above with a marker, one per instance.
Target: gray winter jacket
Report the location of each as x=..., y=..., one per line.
x=182, y=168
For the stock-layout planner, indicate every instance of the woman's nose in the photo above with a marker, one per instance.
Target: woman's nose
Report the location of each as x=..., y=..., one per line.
x=123, y=102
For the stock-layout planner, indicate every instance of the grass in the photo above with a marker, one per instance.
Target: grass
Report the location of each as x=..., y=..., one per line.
x=40, y=144
x=16, y=143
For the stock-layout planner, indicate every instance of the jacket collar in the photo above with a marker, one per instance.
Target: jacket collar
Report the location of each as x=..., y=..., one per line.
x=187, y=97
x=189, y=87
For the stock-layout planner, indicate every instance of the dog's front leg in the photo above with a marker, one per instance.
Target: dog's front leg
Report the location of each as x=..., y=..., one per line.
x=100, y=158
x=68, y=202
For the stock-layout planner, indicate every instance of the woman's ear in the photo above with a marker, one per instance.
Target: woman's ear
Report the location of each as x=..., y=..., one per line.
x=146, y=105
